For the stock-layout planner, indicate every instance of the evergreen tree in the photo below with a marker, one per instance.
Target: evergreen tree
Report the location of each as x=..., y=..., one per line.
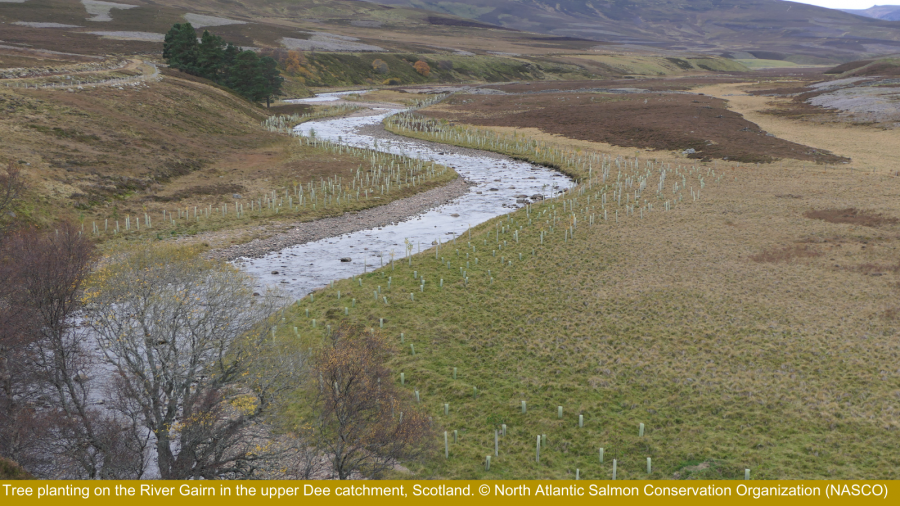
x=245, y=77
x=180, y=47
x=245, y=72
x=211, y=62
x=269, y=68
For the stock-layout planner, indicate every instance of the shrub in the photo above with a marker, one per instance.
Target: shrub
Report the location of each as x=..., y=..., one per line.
x=380, y=66
x=422, y=67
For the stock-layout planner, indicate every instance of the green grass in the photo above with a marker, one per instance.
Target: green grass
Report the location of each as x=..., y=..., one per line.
x=592, y=324
x=755, y=64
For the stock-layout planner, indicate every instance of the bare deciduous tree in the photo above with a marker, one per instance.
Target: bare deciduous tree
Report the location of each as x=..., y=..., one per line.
x=363, y=425
x=52, y=423
x=192, y=349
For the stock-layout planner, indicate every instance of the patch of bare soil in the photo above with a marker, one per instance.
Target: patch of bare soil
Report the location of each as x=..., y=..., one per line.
x=288, y=109
x=198, y=190
x=785, y=254
x=666, y=121
x=851, y=216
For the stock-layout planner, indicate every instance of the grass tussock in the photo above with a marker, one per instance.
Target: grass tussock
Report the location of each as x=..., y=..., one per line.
x=851, y=216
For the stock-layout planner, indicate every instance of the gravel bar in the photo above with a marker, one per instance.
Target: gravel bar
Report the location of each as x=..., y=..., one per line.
x=393, y=212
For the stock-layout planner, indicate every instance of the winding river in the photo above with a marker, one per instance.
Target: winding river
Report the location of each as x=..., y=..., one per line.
x=494, y=184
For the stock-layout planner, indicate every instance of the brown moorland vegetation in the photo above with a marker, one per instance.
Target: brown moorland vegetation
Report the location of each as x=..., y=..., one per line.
x=103, y=153
x=661, y=121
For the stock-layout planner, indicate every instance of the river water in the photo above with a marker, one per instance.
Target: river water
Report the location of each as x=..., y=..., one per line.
x=306, y=267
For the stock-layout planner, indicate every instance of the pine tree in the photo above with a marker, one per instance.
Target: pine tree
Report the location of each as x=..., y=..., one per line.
x=180, y=47
x=245, y=72
x=211, y=57
x=245, y=77
x=269, y=68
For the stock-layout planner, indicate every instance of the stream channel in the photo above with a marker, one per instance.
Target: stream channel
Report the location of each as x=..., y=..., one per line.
x=494, y=183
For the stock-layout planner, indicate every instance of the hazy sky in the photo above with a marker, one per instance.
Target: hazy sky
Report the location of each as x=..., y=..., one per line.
x=847, y=4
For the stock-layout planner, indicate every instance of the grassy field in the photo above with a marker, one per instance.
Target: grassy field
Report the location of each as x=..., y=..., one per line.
x=741, y=329
x=756, y=64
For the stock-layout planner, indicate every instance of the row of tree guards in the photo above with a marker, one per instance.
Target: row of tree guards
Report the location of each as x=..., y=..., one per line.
x=608, y=186
x=387, y=174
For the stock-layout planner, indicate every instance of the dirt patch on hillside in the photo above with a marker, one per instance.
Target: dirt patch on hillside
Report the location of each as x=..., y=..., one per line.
x=851, y=216
x=666, y=121
x=288, y=109
x=785, y=254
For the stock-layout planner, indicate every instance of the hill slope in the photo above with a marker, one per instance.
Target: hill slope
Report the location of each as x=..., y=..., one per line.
x=781, y=27
x=885, y=12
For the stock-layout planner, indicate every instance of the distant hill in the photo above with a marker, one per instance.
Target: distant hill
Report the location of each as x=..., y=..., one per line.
x=793, y=30
x=762, y=29
x=885, y=12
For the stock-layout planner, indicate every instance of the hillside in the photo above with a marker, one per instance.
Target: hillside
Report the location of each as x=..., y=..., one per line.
x=885, y=12
x=790, y=30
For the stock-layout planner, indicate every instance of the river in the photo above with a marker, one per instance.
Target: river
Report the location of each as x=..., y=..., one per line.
x=495, y=182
